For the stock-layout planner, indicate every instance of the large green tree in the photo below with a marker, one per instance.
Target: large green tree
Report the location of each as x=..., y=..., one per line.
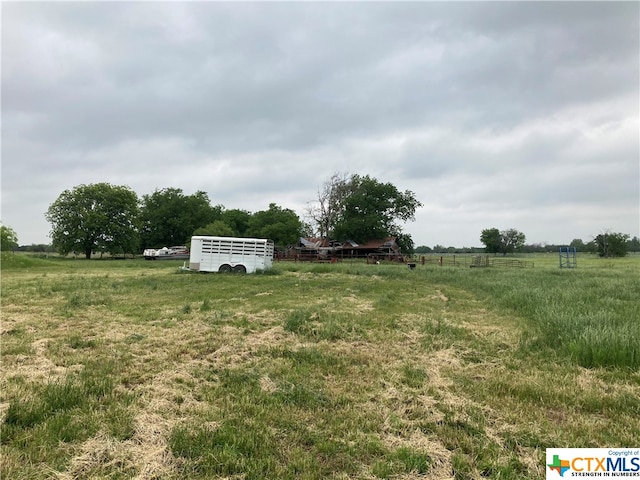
x=612, y=244
x=169, y=217
x=281, y=225
x=512, y=240
x=362, y=208
x=505, y=241
x=216, y=229
x=491, y=239
x=8, y=239
x=96, y=217
x=237, y=220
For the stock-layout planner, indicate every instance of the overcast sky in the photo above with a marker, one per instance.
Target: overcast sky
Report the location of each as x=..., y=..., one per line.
x=506, y=115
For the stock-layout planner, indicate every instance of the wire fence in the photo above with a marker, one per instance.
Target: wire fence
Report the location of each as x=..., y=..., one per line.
x=477, y=261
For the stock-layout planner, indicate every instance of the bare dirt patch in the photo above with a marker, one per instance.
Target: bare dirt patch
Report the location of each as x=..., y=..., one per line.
x=440, y=296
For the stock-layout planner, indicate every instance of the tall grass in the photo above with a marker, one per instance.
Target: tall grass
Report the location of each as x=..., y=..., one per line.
x=590, y=315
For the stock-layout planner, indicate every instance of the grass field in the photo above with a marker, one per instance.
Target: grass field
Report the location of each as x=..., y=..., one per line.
x=125, y=369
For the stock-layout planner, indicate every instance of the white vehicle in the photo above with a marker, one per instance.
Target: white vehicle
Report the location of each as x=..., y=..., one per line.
x=179, y=252
x=230, y=254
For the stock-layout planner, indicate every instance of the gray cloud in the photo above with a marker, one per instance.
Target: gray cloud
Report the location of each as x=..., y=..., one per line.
x=491, y=112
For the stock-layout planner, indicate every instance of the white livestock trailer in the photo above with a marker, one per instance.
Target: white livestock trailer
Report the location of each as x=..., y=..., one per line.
x=230, y=254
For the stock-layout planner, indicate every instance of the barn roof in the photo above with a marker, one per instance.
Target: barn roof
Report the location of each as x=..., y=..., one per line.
x=311, y=242
x=314, y=243
x=388, y=242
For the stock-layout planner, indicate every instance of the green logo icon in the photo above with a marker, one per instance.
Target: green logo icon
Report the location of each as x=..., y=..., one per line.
x=560, y=466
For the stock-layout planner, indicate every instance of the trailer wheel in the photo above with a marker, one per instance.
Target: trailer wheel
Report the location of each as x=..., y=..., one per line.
x=224, y=268
x=239, y=269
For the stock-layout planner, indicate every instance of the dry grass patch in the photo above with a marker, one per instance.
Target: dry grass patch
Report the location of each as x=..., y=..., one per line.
x=99, y=456
x=358, y=304
x=145, y=456
x=440, y=296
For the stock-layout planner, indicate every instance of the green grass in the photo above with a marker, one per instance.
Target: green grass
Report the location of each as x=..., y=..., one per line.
x=115, y=368
x=47, y=417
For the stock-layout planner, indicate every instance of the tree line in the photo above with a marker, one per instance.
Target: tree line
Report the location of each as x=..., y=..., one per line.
x=610, y=244
x=112, y=218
